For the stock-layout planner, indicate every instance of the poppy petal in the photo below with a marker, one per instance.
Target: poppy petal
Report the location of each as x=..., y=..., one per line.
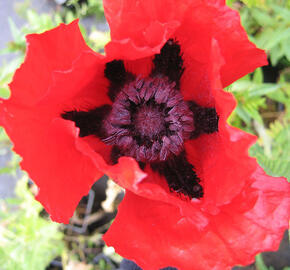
x=233, y=234
x=46, y=52
x=54, y=79
x=153, y=26
x=241, y=56
x=140, y=29
x=217, y=155
x=56, y=160
x=208, y=25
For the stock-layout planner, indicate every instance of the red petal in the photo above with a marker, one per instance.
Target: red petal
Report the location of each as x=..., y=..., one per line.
x=223, y=164
x=56, y=160
x=59, y=73
x=65, y=174
x=196, y=48
x=156, y=234
x=126, y=173
x=140, y=28
x=241, y=56
x=54, y=50
x=217, y=156
x=247, y=232
x=205, y=23
x=82, y=87
x=141, y=67
x=154, y=187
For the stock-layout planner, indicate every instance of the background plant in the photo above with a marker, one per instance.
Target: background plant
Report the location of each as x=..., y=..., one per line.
x=264, y=96
x=27, y=241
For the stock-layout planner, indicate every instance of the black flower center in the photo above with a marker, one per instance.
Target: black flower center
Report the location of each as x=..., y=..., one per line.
x=150, y=121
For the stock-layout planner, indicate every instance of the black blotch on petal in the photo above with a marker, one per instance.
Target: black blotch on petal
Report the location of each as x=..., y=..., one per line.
x=180, y=175
x=90, y=122
x=169, y=62
x=116, y=73
x=115, y=154
x=142, y=165
x=205, y=120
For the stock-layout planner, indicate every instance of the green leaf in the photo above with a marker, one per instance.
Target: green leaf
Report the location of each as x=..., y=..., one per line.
x=276, y=54
x=240, y=86
x=229, y=2
x=243, y=114
x=262, y=17
x=286, y=48
x=32, y=17
x=4, y=92
x=260, y=263
x=57, y=19
x=274, y=167
x=69, y=17
x=284, y=12
x=277, y=163
x=27, y=240
x=251, y=106
x=6, y=170
x=263, y=89
x=277, y=36
x=252, y=3
x=16, y=34
x=258, y=76
x=279, y=96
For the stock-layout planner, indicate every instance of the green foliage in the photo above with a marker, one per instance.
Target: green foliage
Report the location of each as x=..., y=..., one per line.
x=268, y=25
x=252, y=113
x=276, y=161
x=36, y=23
x=92, y=7
x=249, y=3
x=251, y=96
x=103, y=265
x=6, y=73
x=98, y=39
x=27, y=241
x=264, y=108
x=260, y=265
x=13, y=163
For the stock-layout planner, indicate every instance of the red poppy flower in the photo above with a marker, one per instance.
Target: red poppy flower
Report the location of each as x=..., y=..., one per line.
x=152, y=115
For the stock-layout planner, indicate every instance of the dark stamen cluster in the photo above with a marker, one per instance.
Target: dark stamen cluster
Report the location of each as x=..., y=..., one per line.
x=169, y=62
x=180, y=175
x=149, y=120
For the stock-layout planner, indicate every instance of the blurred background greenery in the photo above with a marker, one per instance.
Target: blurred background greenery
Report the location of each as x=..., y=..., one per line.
x=29, y=240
